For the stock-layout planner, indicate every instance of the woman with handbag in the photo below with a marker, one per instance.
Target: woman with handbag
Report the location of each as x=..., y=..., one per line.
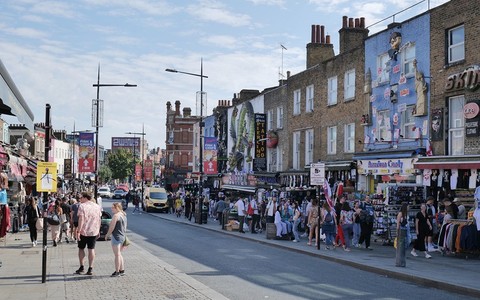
x=33, y=214
x=117, y=230
x=55, y=213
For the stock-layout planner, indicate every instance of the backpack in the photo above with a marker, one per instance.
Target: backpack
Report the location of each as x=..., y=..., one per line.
x=250, y=210
x=329, y=218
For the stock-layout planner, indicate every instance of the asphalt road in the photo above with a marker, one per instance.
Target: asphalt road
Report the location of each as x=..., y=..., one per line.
x=242, y=269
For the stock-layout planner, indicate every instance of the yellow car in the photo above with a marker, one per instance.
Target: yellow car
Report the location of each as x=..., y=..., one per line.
x=156, y=200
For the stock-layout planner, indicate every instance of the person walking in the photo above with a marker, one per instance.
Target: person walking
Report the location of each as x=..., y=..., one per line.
x=402, y=227
x=367, y=218
x=33, y=213
x=65, y=227
x=240, y=205
x=297, y=218
x=339, y=237
x=313, y=217
x=178, y=206
x=74, y=217
x=328, y=225
x=422, y=227
x=56, y=210
x=356, y=224
x=255, y=216
x=117, y=230
x=219, y=207
x=346, y=223
x=89, y=221
x=271, y=209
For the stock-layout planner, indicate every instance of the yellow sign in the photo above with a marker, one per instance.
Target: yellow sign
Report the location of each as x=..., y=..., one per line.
x=46, y=177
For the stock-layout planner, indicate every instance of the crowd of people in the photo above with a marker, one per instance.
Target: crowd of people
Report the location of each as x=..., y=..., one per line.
x=77, y=218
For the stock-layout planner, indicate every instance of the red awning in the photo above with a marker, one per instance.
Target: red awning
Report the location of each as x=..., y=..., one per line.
x=464, y=165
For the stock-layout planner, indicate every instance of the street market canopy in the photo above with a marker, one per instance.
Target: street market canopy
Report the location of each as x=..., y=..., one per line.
x=12, y=102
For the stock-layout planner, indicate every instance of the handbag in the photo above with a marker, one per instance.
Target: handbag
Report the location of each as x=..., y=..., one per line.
x=39, y=223
x=53, y=219
x=126, y=242
x=63, y=218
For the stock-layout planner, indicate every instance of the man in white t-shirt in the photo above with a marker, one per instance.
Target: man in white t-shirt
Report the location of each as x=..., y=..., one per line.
x=240, y=205
x=307, y=211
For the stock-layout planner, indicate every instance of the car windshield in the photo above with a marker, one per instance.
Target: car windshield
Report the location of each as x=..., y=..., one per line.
x=103, y=190
x=158, y=195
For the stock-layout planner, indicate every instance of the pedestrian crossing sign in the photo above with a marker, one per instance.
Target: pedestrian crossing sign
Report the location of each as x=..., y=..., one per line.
x=47, y=177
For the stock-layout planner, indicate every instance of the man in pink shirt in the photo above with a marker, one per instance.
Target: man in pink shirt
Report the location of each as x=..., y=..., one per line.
x=88, y=230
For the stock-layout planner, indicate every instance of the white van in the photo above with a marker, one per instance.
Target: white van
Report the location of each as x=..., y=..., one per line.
x=156, y=200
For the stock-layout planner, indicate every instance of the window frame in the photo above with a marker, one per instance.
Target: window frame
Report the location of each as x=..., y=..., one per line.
x=349, y=88
x=383, y=131
x=383, y=68
x=280, y=117
x=309, y=146
x=332, y=91
x=407, y=61
x=349, y=135
x=332, y=140
x=456, y=128
x=408, y=121
x=270, y=119
x=296, y=150
x=451, y=46
x=309, y=96
x=297, y=102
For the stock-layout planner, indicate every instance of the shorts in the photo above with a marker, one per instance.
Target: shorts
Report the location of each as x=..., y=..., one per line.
x=88, y=241
x=116, y=242
x=75, y=224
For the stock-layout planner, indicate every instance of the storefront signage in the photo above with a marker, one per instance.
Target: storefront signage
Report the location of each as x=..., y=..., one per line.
x=260, y=160
x=472, y=118
x=317, y=174
x=386, y=166
x=469, y=79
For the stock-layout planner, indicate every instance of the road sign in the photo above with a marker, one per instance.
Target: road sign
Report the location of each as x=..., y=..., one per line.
x=46, y=177
x=317, y=174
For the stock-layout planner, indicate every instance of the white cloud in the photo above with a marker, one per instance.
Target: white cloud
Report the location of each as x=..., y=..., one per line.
x=26, y=32
x=215, y=11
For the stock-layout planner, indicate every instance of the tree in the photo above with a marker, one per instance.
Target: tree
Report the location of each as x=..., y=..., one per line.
x=120, y=163
x=105, y=174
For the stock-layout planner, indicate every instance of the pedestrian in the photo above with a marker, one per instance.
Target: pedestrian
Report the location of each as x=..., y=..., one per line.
x=33, y=213
x=178, y=206
x=128, y=198
x=297, y=218
x=328, y=225
x=422, y=227
x=339, y=237
x=462, y=211
x=431, y=213
x=117, y=230
x=220, y=206
x=65, y=227
x=367, y=218
x=241, y=213
x=171, y=204
x=271, y=209
x=74, y=217
x=89, y=221
x=281, y=226
x=346, y=223
x=356, y=224
x=255, y=216
x=188, y=207
x=55, y=210
x=402, y=228
x=306, y=206
x=136, y=203
x=313, y=217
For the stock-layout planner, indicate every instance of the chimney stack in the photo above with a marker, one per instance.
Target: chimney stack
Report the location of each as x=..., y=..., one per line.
x=352, y=33
x=177, y=107
x=320, y=49
x=187, y=112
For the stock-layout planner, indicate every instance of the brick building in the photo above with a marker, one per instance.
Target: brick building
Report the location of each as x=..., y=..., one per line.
x=179, y=145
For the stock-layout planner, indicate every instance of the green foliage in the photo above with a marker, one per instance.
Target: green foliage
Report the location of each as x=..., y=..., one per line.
x=120, y=163
x=105, y=174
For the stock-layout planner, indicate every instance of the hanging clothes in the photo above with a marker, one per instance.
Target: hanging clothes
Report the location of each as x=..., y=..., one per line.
x=5, y=220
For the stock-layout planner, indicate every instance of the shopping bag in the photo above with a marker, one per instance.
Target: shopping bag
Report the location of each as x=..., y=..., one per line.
x=39, y=224
x=126, y=242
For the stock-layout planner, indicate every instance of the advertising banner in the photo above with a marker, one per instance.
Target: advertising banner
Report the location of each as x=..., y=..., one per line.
x=86, y=162
x=210, y=156
x=260, y=160
x=148, y=170
x=67, y=168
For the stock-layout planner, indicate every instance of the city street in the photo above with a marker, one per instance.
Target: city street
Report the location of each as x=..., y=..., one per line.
x=244, y=269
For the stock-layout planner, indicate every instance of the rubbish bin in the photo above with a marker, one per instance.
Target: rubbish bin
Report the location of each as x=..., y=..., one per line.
x=204, y=214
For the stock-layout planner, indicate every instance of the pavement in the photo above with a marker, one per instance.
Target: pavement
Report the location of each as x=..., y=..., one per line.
x=21, y=269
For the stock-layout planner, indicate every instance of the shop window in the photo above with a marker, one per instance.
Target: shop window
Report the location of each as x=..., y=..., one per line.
x=296, y=102
x=456, y=126
x=332, y=90
x=332, y=140
x=456, y=44
x=349, y=85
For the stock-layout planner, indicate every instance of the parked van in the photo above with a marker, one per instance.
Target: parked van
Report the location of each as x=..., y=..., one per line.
x=156, y=200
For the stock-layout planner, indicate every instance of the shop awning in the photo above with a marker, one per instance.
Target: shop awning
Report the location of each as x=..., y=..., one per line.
x=465, y=162
x=388, y=154
x=338, y=165
x=242, y=188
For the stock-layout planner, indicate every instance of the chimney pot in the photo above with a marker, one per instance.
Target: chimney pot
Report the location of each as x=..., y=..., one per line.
x=313, y=33
x=344, y=22
x=362, y=22
x=317, y=35
x=322, y=33
x=357, y=22
x=327, y=39
x=350, y=22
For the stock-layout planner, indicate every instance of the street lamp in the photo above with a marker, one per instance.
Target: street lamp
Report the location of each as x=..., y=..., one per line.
x=134, y=164
x=200, y=184
x=97, y=104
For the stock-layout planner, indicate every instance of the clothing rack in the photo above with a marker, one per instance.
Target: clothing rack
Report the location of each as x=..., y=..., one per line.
x=453, y=241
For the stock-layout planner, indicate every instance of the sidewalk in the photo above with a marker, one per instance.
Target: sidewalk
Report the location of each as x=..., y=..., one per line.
x=21, y=274
x=456, y=274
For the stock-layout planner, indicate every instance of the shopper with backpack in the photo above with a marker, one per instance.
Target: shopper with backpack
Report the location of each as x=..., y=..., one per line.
x=328, y=224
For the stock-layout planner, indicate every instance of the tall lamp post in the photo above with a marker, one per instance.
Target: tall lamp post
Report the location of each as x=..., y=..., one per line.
x=143, y=150
x=200, y=181
x=97, y=105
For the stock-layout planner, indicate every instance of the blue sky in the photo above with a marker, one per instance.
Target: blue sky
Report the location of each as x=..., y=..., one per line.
x=52, y=50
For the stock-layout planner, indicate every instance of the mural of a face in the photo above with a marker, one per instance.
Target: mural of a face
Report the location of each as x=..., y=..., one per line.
x=395, y=40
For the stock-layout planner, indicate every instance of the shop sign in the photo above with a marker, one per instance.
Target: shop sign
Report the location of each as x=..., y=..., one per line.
x=386, y=166
x=317, y=174
x=472, y=118
x=469, y=79
x=260, y=161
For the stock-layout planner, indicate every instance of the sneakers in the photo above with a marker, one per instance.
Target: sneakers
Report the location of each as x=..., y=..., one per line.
x=80, y=270
x=54, y=243
x=427, y=255
x=295, y=241
x=122, y=272
x=90, y=271
x=414, y=253
x=115, y=274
